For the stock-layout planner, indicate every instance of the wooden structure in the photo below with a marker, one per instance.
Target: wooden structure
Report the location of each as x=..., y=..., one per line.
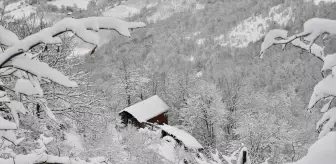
x=152, y=110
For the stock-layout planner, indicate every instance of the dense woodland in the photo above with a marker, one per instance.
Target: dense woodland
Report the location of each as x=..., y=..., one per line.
x=222, y=96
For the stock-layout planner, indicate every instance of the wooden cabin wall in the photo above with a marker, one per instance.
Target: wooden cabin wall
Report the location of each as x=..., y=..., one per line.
x=160, y=119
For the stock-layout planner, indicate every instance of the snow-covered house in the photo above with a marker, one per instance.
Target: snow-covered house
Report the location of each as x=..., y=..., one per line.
x=152, y=110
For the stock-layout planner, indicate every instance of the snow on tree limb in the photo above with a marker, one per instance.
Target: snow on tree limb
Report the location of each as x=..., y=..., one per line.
x=270, y=39
x=81, y=28
x=312, y=29
x=316, y=49
x=10, y=136
x=41, y=70
x=329, y=62
x=330, y=117
x=327, y=105
x=5, y=124
x=18, y=106
x=323, y=89
x=25, y=86
x=322, y=151
x=7, y=37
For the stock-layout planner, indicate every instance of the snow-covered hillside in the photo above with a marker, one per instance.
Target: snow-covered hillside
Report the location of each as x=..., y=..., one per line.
x=326, y=1
x=164, y=8
x=82, y=4
x=19, y=10
x=255, y=27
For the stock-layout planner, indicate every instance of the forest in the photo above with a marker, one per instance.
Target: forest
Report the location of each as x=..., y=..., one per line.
x=242, y=102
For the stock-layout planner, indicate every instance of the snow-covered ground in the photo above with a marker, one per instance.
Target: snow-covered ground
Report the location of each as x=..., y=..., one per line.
x=79, y=3
x=254, y=28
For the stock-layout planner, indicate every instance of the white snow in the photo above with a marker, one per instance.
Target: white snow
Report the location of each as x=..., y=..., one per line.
x=199, y=74
x=41, y=69
x=270, y=39
x=22, y=12
x=122, y=11
x=187, y=139
x=330, y=118
x=322, y=89
x=166, y=148
x=25, y=86
x=147, y=109
x=200, y=6
x=79, y=51
x=327, y=105
x=13, y=6
x=191, y=58
x=322, y=151
x=82, y=4
x=50, y=113
x=329, y=62
x=5, y=124
x=74, y=140
x=168, y=8
x=254, y=28
x=200, y=41
x=317, y=2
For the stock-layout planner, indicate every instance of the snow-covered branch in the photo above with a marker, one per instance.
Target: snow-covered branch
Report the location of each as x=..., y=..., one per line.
x=312, y=29
x=323, y=89
x=330, y=118
x=83, y=28
x=271, y=39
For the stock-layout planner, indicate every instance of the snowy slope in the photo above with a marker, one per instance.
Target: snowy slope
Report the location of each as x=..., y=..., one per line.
x=13, y=6
x=326, y=1
x=122, y=11
x=164, y=8
x=19, y=10
x=79, y=3
x=255, y=27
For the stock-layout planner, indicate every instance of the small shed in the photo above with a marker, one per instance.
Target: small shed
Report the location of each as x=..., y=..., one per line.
x=181, y=136
x=151, y=110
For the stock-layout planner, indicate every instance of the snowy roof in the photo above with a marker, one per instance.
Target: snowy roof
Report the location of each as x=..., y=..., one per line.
x=187, y=139
x=147, y=109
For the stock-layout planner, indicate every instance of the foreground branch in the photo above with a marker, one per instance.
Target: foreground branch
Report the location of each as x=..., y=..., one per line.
x=81, y=28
